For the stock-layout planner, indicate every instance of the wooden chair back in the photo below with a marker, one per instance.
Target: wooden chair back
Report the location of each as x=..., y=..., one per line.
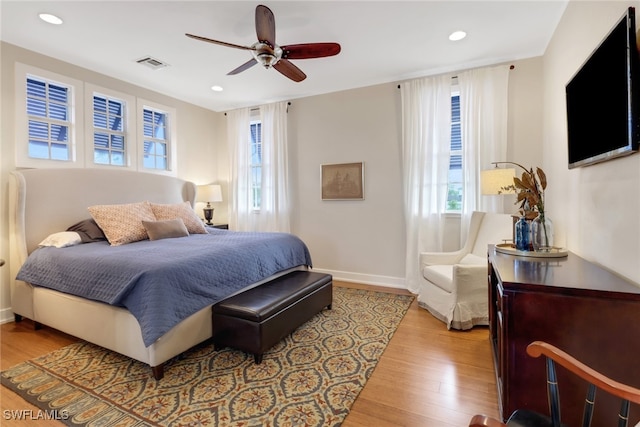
x=596, y=380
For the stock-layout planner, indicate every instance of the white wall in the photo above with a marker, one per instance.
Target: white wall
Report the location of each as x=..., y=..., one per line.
x=360, y=239
x=198, y=160
x=524, y=131
x=365, y=240
x=594, y=209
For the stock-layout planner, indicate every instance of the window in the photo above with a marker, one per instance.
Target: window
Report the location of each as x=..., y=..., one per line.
x=109, y=141
x=454, y=193
x=155, y=140
x=111, y=131
x=50, y=106
x=255, y=163
x=157, y=149
x=48, y=109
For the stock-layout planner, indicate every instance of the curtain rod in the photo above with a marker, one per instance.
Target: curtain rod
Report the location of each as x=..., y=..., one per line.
x=257, y=108
x=511, y=67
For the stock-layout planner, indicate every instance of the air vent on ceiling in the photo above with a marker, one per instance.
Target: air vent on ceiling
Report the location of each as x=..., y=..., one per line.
x=154, y=64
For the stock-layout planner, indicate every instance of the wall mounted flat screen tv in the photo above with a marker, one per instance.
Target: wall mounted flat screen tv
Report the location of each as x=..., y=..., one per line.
x=603, y=99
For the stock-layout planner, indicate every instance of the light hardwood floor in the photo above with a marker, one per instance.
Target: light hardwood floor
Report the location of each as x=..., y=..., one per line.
x=427, y=376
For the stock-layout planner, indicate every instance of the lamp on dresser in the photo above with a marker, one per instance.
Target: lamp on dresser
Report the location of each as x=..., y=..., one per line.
x=497, y=181
x=208, y=194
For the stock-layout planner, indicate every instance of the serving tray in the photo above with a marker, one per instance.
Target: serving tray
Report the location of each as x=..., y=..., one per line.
x=554, y=252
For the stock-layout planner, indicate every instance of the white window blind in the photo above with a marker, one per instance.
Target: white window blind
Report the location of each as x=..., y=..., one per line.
x=49, y=120
x=454, y=194
x=156, y=139
x=255, y=164
x=109, y=140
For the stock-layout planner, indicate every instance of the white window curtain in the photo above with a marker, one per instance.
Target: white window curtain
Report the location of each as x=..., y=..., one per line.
x=483, y=116
x=238, y=139
x=274, y=211
x=426, y=139
x=426, y=144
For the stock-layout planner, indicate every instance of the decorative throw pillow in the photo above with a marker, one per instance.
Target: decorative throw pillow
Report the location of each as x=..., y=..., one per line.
x=165, y=229
x=123, y=223
x=183, y=211
x=62, y=239
x=88, y=231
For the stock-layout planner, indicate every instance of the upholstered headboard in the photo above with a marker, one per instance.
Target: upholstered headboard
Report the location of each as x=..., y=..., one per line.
x=45, y=201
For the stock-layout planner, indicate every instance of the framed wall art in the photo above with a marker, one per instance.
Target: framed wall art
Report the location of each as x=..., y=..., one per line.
x=343, y=181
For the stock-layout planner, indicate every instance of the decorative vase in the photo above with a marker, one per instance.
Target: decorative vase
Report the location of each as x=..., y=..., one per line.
x=542, y=233
x=522, y=234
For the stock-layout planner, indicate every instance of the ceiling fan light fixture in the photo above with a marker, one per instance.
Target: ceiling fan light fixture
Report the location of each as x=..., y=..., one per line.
x=49, y=18
x=217, y=88
x=266, y=55
x=266, y=59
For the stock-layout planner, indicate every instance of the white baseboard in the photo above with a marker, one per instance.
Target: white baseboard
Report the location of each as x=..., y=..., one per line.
x=6, y=315
x=366, y=279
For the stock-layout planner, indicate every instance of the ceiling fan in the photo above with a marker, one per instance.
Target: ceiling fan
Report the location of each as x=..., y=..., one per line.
x=269, y=54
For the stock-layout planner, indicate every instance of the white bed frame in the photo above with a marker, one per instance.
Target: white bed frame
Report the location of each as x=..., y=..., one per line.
x=45, y=201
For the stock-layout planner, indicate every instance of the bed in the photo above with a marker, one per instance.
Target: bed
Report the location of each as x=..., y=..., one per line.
x=47, y=201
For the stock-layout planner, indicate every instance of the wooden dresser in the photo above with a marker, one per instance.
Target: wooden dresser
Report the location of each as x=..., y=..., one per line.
x=575, y=305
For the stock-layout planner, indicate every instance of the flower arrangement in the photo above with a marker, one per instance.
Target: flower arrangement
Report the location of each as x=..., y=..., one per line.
x=529, y=190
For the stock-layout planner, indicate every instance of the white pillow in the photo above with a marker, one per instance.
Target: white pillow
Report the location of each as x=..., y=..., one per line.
x=62, y=239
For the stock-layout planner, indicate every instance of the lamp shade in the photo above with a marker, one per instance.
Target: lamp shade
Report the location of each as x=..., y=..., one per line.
x=209, y=193
x=493, y=181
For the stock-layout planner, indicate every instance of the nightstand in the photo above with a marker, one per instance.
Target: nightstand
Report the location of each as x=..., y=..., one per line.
x=220, y=226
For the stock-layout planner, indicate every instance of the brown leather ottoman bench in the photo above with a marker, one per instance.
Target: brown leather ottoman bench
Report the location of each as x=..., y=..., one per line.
x=255, y=320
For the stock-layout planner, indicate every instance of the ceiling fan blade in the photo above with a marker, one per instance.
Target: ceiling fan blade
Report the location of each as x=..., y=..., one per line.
x=310, y=50
x=204, y=39
x=250, y=63
x=265, y=25
x=289, y=70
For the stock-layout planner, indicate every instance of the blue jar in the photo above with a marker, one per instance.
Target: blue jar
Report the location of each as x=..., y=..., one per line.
x=522, y=234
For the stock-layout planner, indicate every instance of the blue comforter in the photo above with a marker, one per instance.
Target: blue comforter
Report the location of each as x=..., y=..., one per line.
x=162, y=282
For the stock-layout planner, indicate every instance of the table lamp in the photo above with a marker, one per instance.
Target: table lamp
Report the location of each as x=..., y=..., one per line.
x=208, y=194
x=497, y=181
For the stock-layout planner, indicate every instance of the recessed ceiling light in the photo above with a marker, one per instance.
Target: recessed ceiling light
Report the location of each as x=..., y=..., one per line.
x=457, y=35
x=51, y=19
x=217, y=88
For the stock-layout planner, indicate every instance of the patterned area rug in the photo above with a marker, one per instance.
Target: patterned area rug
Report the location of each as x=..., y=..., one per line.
x=311, y=378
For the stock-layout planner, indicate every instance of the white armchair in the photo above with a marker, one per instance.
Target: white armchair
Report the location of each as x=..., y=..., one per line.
x=455, y=286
